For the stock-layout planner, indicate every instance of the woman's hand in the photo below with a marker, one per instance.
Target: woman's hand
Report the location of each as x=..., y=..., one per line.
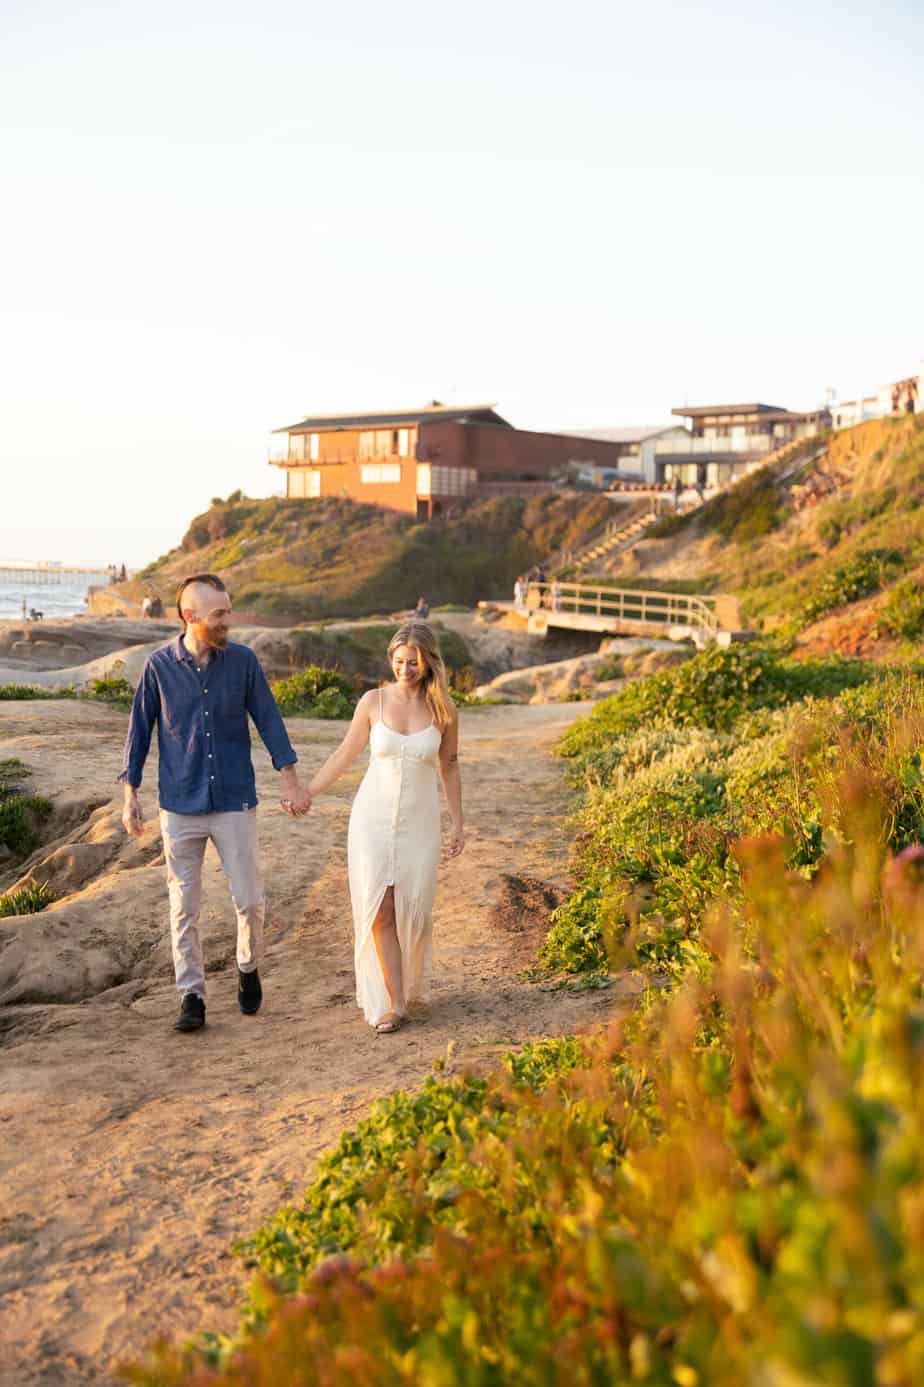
x=456, y=840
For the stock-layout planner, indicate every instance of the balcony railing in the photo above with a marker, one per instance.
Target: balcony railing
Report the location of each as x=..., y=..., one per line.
x=750, y=443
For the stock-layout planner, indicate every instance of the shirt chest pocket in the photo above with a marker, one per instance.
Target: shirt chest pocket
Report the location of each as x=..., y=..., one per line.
x=231, y=698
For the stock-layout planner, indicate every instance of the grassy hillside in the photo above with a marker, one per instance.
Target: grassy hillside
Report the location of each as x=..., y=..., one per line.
x=309, y=559
x=800, y=541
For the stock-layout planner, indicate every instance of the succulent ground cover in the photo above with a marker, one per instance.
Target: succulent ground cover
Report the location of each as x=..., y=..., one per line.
x=727, y=1186
x=21, y=814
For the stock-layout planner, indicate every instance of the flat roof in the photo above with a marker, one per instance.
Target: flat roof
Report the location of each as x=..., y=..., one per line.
x=694, y=411
x=482, y=414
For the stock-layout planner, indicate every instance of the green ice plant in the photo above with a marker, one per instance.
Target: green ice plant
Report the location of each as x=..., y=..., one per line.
x=726, y=1188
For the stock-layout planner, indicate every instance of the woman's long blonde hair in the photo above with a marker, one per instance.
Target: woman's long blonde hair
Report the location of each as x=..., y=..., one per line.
x=422, y=638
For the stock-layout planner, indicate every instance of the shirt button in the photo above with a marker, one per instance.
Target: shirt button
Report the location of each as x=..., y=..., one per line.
x=211, y=777
x=210, y=756
x=206, y=715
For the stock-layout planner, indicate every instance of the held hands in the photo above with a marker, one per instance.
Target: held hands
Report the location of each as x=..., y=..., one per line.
x=295, y=799
x=297, y=803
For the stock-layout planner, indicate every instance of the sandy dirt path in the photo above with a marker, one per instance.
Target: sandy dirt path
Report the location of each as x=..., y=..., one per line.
x=132, y=1157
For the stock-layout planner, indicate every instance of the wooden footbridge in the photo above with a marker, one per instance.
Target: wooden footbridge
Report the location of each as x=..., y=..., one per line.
x=626, y=612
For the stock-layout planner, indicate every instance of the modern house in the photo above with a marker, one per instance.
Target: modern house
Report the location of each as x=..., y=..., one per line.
x=636, y=460
x=726, y=441
x=420, y=461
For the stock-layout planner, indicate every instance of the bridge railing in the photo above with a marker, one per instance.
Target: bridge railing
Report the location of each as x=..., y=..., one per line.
x=625, y=604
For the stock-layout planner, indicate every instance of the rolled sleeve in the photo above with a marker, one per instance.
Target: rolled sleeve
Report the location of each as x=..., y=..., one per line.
x=144, y=715
x=262, y=707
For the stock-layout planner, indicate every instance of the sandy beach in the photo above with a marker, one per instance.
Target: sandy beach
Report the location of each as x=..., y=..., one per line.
x=133, y=1157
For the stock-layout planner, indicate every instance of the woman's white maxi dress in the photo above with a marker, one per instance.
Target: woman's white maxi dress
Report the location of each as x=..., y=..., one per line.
x=394, y=840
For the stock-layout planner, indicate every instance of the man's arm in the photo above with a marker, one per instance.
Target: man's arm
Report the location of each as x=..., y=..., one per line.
x=145, y=712
x=262, y=707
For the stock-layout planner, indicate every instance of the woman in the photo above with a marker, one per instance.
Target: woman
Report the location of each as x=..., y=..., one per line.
x=394, y=839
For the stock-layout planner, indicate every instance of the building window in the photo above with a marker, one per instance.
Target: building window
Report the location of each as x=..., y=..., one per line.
x=404, y=443
x=304, y=482
x=423, y=479
x=378, y=443
x=451, y=481
x=296, y=447
x=314, y=447
x=371, y=472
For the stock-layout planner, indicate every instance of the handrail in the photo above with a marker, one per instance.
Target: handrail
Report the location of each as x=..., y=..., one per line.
x=624, y=604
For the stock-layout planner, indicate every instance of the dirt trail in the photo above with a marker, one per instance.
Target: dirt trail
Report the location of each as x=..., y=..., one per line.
x=132, y=1157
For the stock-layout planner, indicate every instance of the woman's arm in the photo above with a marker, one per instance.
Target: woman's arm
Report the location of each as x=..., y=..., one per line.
x=339, y=761
x=452, y=783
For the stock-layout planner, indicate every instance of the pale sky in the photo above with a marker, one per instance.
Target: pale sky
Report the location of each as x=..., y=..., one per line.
x=220, y=217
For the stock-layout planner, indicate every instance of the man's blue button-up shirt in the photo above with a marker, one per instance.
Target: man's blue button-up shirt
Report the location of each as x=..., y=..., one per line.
x=202, y=731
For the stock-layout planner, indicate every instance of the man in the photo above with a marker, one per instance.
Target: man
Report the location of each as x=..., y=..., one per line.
x=198, y=691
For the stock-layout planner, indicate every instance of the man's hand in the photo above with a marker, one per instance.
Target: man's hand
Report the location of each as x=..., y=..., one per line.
x=132, y=817
x=295, y=800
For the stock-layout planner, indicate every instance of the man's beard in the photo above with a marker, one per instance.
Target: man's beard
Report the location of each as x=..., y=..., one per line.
x=207, y=635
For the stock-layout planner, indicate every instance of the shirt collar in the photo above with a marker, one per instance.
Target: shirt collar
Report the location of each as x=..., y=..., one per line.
x=181, y=653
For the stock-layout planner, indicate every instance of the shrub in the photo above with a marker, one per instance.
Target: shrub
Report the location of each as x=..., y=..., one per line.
x=315, y=692
x=860, y=576
x=712, y=690
x=111, y=688
x=21, y=816
x=15, y=692
x=726, y=1189
x=29, y=900
x=748, y=510
x=665, y=805
x=902, y=614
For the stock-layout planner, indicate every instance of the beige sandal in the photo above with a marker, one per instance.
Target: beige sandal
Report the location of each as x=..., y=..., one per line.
x=389, y=1023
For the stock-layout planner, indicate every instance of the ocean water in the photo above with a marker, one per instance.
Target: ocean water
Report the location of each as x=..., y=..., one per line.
x=54, y=600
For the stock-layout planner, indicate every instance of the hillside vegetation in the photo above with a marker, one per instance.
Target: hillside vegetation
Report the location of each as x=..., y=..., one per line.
x=815, y=536
x=725, y=1187
x=310, y=559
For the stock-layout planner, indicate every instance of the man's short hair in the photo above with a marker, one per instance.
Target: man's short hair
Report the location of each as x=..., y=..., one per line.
x=210, y=580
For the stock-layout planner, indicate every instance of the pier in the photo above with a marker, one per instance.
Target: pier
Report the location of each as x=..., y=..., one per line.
x=44, y=573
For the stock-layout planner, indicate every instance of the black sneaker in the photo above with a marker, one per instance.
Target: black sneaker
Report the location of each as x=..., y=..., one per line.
x=192, y=1013
x=249, y=992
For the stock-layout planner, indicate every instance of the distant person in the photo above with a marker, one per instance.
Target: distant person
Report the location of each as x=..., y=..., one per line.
x=556, y=595
x=198, y=692
x=122, y=574
x=422, y=610
x=519, y=594
x=157, y=607
x=25, y=610
x=540, y=573
x=35, y=614
x=146, y=605
x=678, y=488
x=412, y=730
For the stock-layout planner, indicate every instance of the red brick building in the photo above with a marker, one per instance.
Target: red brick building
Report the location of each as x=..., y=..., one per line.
x=420, y=461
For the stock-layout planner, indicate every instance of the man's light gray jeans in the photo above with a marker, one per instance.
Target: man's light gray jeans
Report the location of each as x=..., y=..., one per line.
x=235, y=838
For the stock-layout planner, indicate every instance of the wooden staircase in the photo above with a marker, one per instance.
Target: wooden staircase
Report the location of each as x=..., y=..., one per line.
x=618, y=538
